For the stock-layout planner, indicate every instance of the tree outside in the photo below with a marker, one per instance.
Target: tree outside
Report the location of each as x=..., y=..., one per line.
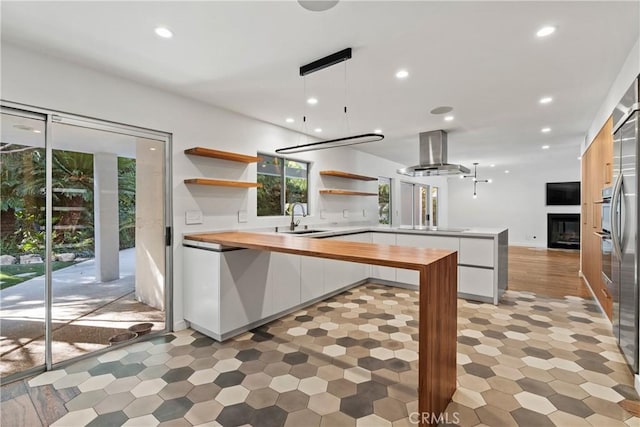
x=22, y=205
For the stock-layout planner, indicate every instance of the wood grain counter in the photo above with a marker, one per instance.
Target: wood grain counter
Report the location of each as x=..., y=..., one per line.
x=438, y=297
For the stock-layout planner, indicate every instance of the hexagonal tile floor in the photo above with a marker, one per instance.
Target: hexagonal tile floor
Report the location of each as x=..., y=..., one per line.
x=350, y=361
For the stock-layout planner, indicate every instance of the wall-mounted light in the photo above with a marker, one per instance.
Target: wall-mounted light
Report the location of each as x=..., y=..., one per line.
x=475, y=180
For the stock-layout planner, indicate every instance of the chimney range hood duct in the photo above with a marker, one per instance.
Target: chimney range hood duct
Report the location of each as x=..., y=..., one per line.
x=433, y=157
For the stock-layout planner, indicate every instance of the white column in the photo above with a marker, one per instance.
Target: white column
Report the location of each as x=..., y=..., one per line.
x=150, y=244
x=106, y=222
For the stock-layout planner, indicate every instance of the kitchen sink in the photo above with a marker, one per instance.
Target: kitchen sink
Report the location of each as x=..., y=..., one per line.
x=308, y=231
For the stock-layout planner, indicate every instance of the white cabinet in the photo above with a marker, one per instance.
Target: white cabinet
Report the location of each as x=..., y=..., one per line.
x=380, y=272
x=338, y=274
x=425, y=241
x=284, y=281
x=201, y=281
x=311, y=278
x=476, y=281
x=245, y=296
x=476, y=252
x=429, y=241
x=227, y=291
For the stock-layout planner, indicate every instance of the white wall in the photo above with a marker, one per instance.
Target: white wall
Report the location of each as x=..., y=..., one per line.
x=516, y=201
x=38, y=80
x=630, y=70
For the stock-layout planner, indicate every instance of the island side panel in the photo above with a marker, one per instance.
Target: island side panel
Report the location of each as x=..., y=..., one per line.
x=437, y=336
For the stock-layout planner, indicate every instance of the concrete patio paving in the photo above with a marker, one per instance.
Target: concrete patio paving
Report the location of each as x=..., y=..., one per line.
x=85, y=314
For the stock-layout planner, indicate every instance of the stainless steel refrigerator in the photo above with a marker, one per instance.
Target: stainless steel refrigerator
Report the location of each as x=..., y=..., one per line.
x=624, y=225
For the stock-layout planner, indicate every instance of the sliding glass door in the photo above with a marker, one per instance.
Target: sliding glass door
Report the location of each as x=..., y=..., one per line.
x=108, y=222
x=22, y=233
x=93, y=226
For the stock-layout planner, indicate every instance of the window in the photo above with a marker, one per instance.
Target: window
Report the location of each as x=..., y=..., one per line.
x=284, y=182
x=384, y=200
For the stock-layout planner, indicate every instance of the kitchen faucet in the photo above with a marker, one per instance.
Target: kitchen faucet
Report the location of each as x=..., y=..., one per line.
x=293, y=225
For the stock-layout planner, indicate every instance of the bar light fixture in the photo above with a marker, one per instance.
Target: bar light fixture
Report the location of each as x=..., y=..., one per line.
x=312, y=67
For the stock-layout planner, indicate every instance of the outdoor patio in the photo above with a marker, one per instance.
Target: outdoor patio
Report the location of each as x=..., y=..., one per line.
x=85, y=314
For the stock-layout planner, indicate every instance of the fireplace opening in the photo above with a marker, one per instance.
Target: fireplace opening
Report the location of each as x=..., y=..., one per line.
x=563, y=231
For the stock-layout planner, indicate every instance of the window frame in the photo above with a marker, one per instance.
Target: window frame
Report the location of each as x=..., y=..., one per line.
x=283, y=178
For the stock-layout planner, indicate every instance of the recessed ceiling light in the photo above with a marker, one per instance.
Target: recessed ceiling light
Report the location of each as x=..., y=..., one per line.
x=152, y=148
x=377, y=131
x=489, y=180
x=579, y=157
x=506, y=171
x=546, y=31
x=545, y=147
x=37, y=131
x=312, y=101
x=545, y=130
x=546, y=100
x=448, y=118
x=492, y=166
x=289, y=120
x=163, y=32
x=318, y=130
x=402, y=74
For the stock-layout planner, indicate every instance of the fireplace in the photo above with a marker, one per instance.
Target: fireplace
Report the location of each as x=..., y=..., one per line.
x=563, y=231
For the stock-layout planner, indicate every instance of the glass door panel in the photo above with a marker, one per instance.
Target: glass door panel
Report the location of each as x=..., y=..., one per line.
x=434, y=206
x=22, y=248
x=109, y=234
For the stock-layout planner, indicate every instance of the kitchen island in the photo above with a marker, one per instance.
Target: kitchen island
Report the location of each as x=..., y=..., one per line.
x=223, y=288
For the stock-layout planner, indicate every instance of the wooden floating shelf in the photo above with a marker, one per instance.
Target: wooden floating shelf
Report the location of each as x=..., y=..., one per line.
x=347, y=193
x=222, y=183
x=348, y=175
x=224, y=155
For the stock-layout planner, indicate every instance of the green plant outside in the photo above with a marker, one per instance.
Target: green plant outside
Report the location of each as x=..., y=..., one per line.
x=22, y=194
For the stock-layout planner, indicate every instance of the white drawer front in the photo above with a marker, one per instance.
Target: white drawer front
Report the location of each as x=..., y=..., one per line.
x=475, y=281
x=476, y=252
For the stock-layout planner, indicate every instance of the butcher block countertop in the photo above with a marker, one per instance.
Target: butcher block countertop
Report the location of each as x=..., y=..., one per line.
x=437, y=307
x=366, y=253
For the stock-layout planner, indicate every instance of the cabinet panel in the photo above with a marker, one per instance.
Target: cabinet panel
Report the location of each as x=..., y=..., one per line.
x=596, y=174
x=411, y=277
x=380, y=272
x=337, y=274
x=202, y=288
x=284, y=282
x=476, y=252
x=311, y=278
x=341, y=273
x=434, y=242
x=476, y=281
x=244, y=288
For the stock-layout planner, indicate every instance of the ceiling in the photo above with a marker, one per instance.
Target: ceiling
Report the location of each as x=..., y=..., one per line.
x=481, y=58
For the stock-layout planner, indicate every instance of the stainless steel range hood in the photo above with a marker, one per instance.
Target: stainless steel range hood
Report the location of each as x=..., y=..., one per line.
x=433, y=157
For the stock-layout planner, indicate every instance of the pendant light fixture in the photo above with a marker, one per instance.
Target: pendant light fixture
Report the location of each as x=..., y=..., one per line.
x=320, y=64
x=476, y=180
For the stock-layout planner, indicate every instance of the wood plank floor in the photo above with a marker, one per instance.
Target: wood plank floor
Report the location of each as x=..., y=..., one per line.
x=551, y=272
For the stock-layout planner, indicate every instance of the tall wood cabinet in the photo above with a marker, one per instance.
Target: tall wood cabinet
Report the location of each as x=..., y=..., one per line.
x=597, y=173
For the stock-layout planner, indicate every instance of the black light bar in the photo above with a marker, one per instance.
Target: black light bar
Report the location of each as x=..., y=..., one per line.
x=325, y=62
x=332, y=143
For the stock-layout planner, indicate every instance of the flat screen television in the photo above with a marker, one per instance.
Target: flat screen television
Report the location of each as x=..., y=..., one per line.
x=563, y=193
